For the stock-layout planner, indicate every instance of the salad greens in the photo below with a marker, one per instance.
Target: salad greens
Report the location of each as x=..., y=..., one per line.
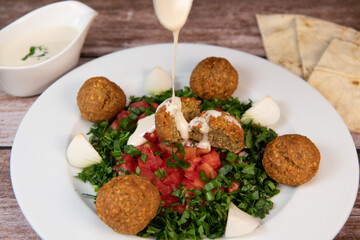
x=206, y=214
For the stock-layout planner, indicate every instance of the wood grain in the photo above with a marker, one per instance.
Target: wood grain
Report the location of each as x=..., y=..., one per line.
x=123, y=24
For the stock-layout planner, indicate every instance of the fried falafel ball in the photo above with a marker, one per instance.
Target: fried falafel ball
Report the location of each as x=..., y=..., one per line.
x=220, y=129
x=165, y=124
x=128, y=203
x=100, y=99
x=291, y=159
x=214, y=77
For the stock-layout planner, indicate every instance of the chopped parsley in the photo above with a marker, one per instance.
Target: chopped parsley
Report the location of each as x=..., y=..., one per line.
x=175, y=161
x=206, y=213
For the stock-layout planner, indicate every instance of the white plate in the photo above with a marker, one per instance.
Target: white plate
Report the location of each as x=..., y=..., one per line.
x=50, y=197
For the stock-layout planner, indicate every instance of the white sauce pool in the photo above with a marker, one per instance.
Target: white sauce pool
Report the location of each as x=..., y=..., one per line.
x=145, y=125
x=52, y=41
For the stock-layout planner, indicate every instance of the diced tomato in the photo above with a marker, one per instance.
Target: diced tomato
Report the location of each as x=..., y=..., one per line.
x=151, y=137
x=213, y=159
x=147, y=173
x=191, y=174
x=195, y=160
x=208, y=169
x=194, y=178
x=152, y=162
x=190, y=152
x=191, y=167
x=169, y=199
x=155, y=161
x=234, y=187
x=115, y=124
x=172, y=200
x=144, y=147
x=201, y=151
x=165, y=149
x=179, y=208
x=189, y=183
x=130, y=163
x=163, y=189
x=198, y=183
x=155, y=105
x=138, y=104
x=174, y=176
x=140, y=117
x=123, y=114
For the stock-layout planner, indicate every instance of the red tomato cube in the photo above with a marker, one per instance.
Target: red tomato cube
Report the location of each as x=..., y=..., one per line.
x=138, y=104
x=147, y=173
x=129, y=164
x=213, y=159
x=208, y=169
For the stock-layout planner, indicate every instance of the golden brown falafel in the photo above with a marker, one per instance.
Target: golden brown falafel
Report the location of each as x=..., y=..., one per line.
x=100, y=99
x=221, y=129
x=291, y=159
x=214, y=77
x=190, y=107
x=128, y=203
x=165, y=122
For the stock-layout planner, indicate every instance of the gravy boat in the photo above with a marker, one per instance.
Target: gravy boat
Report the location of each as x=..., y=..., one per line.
x=33, y=79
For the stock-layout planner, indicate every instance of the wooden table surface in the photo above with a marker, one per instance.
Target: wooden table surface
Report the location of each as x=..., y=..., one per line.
x=123, y=24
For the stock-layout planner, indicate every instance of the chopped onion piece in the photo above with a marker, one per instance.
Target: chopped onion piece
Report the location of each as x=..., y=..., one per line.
x=157, y=81
x=265, y=112
x=81, y=153
x=239, y=223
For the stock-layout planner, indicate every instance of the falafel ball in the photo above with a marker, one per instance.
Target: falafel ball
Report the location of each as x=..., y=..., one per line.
x=221, y=129
x=100, y=99
x=127, y=203
x=165, y=121
x=214, y=77
x=291, y=159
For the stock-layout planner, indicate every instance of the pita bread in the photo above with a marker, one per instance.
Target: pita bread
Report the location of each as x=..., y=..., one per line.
x=314, y=36
x=278, y=32
x=337, y=78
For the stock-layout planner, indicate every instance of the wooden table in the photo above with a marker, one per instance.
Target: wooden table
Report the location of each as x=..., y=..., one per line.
x=128, y=23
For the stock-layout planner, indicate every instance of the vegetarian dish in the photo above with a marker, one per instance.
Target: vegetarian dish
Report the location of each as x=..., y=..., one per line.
x=188, y=182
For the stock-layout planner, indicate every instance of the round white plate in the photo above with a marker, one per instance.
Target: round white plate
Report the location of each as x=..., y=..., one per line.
x=51, y=198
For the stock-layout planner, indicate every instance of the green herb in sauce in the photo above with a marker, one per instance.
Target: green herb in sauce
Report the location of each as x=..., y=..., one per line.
x=36, y=52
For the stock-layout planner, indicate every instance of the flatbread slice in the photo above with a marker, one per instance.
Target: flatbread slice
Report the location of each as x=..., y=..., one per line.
x=314, y=36
x=278, y=33
x=337, y=78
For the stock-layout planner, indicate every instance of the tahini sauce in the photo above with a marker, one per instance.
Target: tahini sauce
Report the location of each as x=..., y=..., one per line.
x=145, y=125
x=54, y=39
x=172, y=14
